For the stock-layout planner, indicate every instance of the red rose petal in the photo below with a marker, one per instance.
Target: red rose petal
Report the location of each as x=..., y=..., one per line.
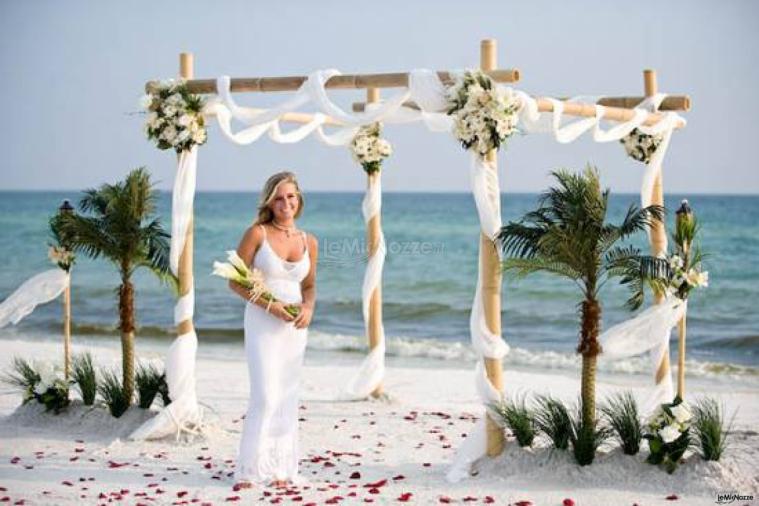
x=567, y=502
x=355, y=475
x=404, y=497
x=672, y=497
x=488, y=500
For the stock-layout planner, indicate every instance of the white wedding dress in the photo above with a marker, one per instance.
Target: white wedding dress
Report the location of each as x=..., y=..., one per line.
x=275, y=348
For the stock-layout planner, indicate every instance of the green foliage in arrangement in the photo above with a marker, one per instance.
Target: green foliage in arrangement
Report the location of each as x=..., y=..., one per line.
x=39, y=381
x=552, y=419
x=668, y=434
x=621, y=413
x=84, y=376
x=112, y=392
x=149, y=381
x=587, y=438
x=518, y=418
x=711, y=429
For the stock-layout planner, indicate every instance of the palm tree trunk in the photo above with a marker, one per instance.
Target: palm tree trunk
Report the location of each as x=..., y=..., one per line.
x=126, y=317
x=589, y=349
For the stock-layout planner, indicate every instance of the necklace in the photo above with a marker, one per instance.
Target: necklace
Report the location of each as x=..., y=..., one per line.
x=286, y=230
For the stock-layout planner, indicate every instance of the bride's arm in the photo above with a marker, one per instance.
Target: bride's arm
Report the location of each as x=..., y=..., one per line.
x=308, y=287
x=246, y=250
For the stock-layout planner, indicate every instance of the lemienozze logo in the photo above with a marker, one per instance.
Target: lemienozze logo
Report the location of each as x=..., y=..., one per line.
x=731, y=498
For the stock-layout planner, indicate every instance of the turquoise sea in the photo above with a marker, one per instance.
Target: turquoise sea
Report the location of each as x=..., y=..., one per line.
x=429, y=279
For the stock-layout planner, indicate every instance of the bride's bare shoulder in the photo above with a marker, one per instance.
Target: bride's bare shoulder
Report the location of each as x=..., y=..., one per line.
x=251, y=239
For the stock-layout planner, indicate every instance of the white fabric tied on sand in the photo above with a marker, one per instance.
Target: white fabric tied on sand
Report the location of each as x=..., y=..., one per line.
x=648, y=331
x=372, y=370
x=38, y=289
x=184, y=413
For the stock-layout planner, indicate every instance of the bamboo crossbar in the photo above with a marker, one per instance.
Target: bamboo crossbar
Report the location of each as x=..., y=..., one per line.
x=671, y=103
x=349, y=81
x=577, y=109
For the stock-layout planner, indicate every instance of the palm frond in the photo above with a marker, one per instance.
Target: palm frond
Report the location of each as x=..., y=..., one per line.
x=523, y=266
x=520, y=240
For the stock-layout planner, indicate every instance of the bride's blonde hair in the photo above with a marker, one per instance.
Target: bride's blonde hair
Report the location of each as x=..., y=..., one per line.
x=265, y=214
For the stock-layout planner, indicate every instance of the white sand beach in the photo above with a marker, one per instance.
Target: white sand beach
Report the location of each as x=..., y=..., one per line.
x=352, y=452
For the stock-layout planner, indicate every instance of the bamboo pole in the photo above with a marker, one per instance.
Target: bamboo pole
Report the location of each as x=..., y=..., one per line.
x=349, y=81
x=572, y=109
x=186, y=71
x=373, y=233
x=491, y=280
x=658, y=235
x=67, y=330
x=683, y=213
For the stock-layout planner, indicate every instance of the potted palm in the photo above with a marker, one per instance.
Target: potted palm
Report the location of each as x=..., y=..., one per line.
x=567, y=235
x=117, y=223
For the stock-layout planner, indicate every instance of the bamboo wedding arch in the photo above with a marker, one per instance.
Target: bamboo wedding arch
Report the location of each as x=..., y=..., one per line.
x=622, y=110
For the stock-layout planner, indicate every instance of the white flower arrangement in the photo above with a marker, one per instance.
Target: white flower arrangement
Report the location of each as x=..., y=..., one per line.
x=640, y=146
x=369, y=149
x=485, y=115
x=684, y=279
x=668, y=433
x=61, y=257
x=174, y=116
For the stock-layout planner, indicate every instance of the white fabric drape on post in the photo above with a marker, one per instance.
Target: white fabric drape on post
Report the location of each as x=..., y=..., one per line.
x=648, y=331
x=183, y=413
x=38, y=289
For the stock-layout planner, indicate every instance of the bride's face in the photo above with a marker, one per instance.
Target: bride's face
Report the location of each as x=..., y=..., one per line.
x=285, y=203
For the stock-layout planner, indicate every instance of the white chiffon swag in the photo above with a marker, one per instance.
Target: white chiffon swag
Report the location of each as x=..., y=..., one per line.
x=38, y=289
x=429, y=93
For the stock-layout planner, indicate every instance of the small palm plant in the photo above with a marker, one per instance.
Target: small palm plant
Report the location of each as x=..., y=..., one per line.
x=567, y=235
x=117, y=223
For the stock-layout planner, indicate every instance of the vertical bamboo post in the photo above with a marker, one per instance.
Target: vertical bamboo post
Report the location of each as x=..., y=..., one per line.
x=67, y=329
x=683, y=213
x=373, y=233
x=491, y=279
x=658, y=235
x=186, y=71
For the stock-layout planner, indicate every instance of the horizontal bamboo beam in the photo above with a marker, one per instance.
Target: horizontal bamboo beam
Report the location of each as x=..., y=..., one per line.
x=570, y=108
x=670, y=103
x=350, y=81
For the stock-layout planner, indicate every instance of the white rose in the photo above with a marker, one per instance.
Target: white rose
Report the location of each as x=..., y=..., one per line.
x=681, y=412
x=183, y=135
x=676, y=262
x=669, y=433
x=185, y=120
x=199, y=136
x=169, y=133
x=146, y=101
x=169, y=110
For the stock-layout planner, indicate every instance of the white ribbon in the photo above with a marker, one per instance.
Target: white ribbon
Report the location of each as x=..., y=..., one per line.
x=648, y=331
x=183, y=413
x=36, y=290
x=372, y=370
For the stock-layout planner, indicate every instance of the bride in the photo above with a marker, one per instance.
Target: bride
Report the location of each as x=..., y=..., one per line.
x=275, y=341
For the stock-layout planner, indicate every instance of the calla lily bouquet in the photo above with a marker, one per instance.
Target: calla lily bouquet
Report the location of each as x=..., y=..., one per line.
x=235, y=269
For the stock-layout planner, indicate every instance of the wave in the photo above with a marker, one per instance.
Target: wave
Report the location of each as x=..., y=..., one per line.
x=452, y=351
x=461, y=352
x=750, y=342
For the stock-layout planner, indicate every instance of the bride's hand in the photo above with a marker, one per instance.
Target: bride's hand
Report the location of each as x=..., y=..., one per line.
x=277, y=309
x=303, y=319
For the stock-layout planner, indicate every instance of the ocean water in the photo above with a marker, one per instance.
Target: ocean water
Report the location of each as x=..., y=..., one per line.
x=429, y=279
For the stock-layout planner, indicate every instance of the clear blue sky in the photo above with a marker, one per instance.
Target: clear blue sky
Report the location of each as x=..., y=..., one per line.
x=73, y=72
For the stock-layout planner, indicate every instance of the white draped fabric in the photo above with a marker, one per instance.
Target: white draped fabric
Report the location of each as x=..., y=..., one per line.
x=372, y=370
x=649, y=331
x=184, y=413
x=36, y=290
x=426, y=90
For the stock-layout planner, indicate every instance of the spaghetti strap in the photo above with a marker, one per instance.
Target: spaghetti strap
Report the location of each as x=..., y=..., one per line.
x=305, y=240
x=264, y=229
